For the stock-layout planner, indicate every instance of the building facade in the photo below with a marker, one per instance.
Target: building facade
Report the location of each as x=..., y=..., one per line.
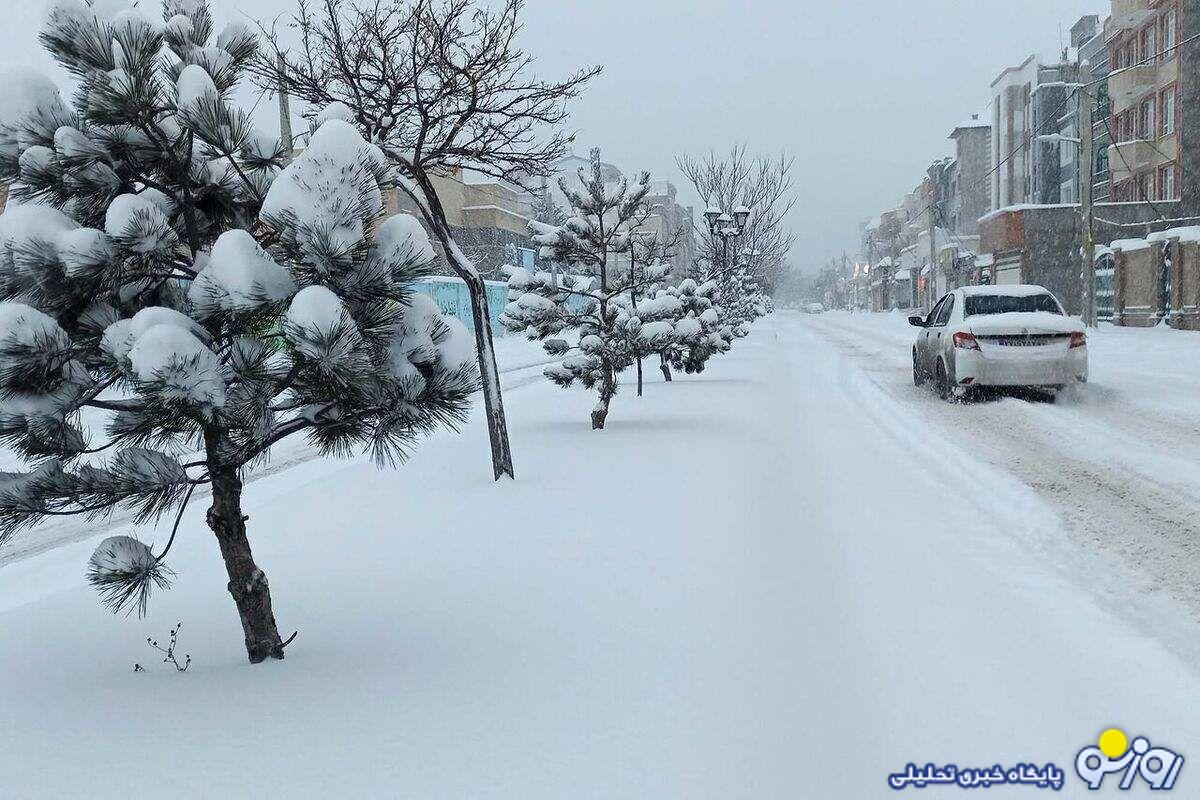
x=1150, y=78
x=668, y=219
x=488, y=218
x=1093, y=59
x=1087, y=42
x=970, y=197
x=1012, y=122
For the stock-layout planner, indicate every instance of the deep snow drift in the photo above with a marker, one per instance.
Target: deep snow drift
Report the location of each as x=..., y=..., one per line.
x=793, y=586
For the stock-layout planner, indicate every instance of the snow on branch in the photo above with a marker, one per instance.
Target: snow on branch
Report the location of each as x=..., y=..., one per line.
x=163, y=271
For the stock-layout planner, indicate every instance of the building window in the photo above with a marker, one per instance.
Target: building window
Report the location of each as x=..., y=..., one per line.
x=1122, y=128
x=1147, y=129
x=1168, y=111
x=1144, y=186
x=1149, y=45
x=1166, y=182
x=1168, y=32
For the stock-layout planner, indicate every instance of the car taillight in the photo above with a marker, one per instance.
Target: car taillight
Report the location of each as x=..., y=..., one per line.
x=965, y=341
x=1078, y=340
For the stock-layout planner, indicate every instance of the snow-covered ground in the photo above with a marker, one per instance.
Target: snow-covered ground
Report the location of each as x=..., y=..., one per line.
x=1116, y=461
x=785, y=578
x=519, y=360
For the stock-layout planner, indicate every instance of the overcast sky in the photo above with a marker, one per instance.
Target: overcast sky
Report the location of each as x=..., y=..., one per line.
x=862, y=93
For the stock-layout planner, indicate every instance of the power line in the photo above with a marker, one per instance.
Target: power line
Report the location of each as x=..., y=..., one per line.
x=1055, y=115
x=1147, y=223
x=1143, y=62
x=1025, y=141
x=1130, y=169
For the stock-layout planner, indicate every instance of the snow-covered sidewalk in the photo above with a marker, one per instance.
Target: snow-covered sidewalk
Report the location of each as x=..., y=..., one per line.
x=519, y=360
x=773, y=580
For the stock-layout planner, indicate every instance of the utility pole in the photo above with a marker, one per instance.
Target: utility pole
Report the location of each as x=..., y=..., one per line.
x=934, y=267
x=285, y=112
x=1087, y=166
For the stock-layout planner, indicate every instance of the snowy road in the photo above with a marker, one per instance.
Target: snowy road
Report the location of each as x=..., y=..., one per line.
x=785, y=578
x=1117, y=461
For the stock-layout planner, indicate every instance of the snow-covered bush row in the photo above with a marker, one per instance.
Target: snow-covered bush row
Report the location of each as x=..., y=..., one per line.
x=609, y=284
x=165, y=262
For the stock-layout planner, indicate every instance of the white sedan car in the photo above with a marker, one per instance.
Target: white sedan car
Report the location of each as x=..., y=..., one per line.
x=998, y=336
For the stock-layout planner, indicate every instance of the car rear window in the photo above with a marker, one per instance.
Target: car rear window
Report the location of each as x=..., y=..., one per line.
x=979, y=305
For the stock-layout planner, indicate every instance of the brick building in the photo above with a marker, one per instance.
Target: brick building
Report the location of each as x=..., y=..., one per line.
x=1152, y=93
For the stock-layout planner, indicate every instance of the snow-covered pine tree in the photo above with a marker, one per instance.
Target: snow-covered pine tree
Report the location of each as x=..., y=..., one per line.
x=697, y=328
x=649, y=257
x=546, y=210
x=174, y=304
x=595, y=242
x=439, y=85
x=740, y=302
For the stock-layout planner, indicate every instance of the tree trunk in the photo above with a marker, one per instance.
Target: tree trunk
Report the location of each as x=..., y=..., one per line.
x=639, y=365
x=247, y=583
x=666, y=369
x=608, y=388
x=493, y=401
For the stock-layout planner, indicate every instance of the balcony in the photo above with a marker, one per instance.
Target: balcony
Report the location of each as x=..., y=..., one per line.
x=1127, y=16
x=1131, y=158
x=1129, y=86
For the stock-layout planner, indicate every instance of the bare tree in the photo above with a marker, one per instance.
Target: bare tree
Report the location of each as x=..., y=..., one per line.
x=439, y=85
x=764, y=184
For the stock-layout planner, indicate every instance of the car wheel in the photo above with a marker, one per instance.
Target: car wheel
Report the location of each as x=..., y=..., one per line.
x=943, y=382
x=919, y=378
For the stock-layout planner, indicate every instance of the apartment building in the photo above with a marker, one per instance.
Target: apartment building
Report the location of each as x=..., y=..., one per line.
x=1150, y=77
x=970, y=197
x=489, y=219
x=1012, y=122
x=1094, y=62
x=668, y=217
x=1028, y=100
x=1087, y=45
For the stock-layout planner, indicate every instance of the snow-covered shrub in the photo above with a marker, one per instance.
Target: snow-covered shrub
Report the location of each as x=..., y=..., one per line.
x=160, y=266
x=604, y=270
x=697, y=327
x=740, y=302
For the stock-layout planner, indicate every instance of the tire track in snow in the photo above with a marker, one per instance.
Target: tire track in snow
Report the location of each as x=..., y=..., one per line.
x=1109, y=470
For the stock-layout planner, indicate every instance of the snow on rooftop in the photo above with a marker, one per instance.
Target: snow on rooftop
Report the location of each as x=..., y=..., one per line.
x=976, y=121
x=1025, y=207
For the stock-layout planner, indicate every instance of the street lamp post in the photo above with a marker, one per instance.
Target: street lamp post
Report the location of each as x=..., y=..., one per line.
x=726, y=227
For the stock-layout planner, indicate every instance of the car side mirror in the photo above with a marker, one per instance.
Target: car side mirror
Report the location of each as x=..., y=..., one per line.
x=917, y=321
